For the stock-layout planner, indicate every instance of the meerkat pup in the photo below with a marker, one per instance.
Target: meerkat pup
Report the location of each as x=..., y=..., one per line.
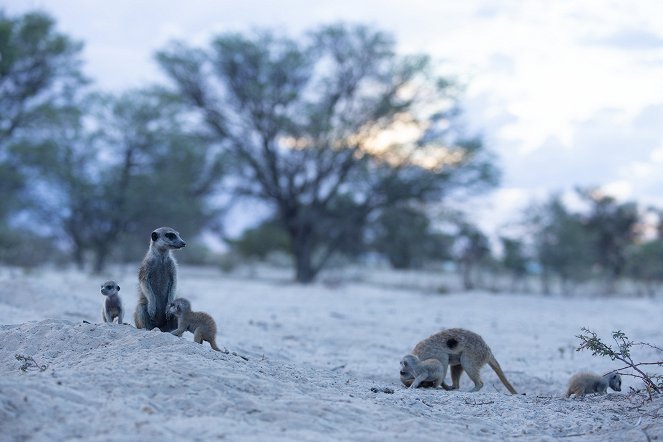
x=462, y=350
x=112, y=307
x=429, y=372
x=584, y=383
x=157, y=281
x=200, y=324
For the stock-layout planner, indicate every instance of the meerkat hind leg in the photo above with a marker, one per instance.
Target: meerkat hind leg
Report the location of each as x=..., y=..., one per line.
x=142, y=319
x=472, y=371
x=198, y=336
x=456, y=372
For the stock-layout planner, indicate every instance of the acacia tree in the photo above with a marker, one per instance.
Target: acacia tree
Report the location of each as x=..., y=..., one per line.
x=614, y=228
x=562, y=243
x=38, y=66
x=405, y=236
x=114, y=166
x=514, y=259
x=328, y=129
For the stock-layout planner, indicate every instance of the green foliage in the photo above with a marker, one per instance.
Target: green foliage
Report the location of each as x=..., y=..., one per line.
x=645, y=264
x=514, y=259
x=613, y=227
x=196, y=253
x=258, y=242
x=115, y=167
x=404, y=236
x=301, y=119
x=472, y=249
x=22, y=248
x=38, y=66
x=589, y=340
x=563, y=244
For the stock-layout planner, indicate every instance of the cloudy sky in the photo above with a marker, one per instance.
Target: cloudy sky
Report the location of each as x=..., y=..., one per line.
x=566, y=93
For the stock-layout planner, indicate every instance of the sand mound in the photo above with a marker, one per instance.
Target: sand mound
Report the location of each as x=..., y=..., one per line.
x=106, y=382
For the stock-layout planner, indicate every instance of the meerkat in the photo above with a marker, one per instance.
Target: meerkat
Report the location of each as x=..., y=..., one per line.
x=200, y=324
x=426, y=373
x=112, y=307
x=462, y=350
x=584, y=383
x=157, y=281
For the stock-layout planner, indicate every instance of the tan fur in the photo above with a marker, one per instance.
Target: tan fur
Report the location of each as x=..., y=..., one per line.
x=200, y=324
x=584, y=383
x=429, y=372
x=157, y=280
x=462, y=350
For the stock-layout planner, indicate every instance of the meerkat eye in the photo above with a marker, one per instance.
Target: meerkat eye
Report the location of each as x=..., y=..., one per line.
x=170, y=235
x=108, y=287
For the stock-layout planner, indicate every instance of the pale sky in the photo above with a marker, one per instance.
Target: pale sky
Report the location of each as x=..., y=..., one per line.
x=566, y=93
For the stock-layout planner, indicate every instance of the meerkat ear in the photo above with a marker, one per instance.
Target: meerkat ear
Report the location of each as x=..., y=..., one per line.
x=155, y=235
x=118, y=288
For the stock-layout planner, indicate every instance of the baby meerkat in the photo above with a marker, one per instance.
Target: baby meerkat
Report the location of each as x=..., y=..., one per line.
x=429, y=372
x=584, y=383
x=200, y=324
x=462, y=350
x=112, y=307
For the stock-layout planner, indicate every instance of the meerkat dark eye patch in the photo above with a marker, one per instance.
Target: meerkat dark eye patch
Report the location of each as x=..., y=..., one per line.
x=155, y=236
x=108, y=287
x=170, y=235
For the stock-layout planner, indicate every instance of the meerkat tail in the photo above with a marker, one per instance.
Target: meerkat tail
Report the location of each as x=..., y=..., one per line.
x=500, y=374
x=212, y=343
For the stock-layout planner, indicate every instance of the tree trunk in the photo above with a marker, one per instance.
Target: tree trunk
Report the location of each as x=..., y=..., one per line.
x=305, y=273
x=100, y=259
x=468, y=284
x=78, y=257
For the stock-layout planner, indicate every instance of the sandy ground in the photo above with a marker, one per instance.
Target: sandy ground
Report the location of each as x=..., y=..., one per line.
x=322, y=363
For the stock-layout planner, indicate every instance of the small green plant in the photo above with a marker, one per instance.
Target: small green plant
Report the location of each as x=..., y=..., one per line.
x=28, y=363
x=622, y=352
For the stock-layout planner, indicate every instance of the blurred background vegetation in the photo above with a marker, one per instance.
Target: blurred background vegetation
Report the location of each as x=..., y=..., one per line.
x=356, y=153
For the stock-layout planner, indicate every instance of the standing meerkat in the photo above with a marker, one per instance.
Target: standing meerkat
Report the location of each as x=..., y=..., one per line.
x=429, y=372
x=200, y=324
x=112, y=307
x=462, y=350
x=584, y=383
x=157, y=280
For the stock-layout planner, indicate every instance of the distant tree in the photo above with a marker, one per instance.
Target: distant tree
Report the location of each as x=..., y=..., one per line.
x=613, y=225
x=472, y=249
x=328, y=129
x=38, y=66
x=562, y=242
x=645, y=265
x=514, y=259
x=258, y=242
x=405, y=237
x=121, y=165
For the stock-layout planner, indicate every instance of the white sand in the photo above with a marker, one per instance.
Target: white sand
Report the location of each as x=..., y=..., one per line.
x=315, y=353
